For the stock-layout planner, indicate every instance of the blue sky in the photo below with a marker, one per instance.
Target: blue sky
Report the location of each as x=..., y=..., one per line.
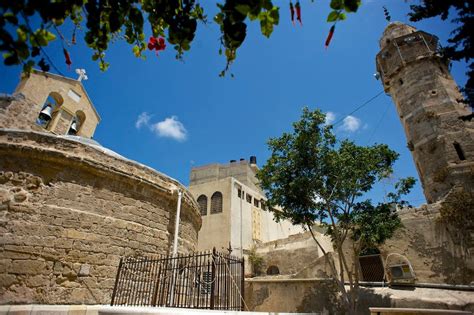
x=193, y=117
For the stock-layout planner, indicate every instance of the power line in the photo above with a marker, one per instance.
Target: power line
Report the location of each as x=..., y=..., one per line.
x=359, y=107
x=378, y=123
x=41, y=48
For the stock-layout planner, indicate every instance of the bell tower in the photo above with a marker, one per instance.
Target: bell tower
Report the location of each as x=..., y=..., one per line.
x=438, y=124
x=50, y=103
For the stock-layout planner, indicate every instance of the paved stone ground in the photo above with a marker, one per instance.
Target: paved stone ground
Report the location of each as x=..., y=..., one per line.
x=109, y=310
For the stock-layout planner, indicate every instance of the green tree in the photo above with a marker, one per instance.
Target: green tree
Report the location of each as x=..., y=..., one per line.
x=316, y=179
x=107, y=20
x=461, y=45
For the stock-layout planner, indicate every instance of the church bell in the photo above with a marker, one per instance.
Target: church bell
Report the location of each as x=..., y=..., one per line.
x=45, y=114
x=73, y=128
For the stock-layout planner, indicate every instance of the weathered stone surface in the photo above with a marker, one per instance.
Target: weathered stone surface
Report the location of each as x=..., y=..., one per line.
x=430, y=107
x=70, y=211
x=320, y=296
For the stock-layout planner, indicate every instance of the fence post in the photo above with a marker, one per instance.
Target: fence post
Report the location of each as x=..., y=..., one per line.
x=242, y=284
x=213, y=277
x=117, y=278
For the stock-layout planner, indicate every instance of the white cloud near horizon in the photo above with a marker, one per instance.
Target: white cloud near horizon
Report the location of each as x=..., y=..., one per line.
x=171, y=127
x=142, y=120
x=330, y=118
x=351, y=124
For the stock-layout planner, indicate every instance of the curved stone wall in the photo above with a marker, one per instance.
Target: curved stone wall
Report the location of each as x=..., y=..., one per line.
x=69, y=211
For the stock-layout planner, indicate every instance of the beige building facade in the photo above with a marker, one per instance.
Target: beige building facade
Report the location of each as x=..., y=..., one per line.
x=233, y=208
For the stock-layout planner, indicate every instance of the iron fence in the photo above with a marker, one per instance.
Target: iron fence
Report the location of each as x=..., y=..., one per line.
x=204, y=280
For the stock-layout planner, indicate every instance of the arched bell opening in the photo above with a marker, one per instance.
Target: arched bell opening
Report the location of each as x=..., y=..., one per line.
x=49, y=109
x=73, y=128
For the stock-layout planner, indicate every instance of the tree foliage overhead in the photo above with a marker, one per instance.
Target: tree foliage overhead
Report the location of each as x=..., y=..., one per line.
x=26, y=26
x=316, y=179
x=461, y=44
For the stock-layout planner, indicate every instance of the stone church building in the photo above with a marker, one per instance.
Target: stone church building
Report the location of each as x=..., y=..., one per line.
x=71, y=208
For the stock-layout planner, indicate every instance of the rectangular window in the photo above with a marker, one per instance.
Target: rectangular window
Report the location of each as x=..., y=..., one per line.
x=249, y=198
x=264, y=207
x=255, y=202
x=239, y=193
x=74, y=95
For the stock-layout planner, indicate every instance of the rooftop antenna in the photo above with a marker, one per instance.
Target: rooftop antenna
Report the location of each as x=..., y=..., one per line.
x=82, y=74
x=387, y=14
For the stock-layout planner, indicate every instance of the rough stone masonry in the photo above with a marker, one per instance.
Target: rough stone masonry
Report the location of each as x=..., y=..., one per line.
x=69, y=210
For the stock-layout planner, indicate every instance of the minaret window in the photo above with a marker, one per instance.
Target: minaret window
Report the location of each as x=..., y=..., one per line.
x=216, y=202
x=459, y=151
x=202, y=201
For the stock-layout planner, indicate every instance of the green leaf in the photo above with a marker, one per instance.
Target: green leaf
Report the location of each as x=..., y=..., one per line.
x=333, y=16
x=351, y=5
x=266, y=24
x=336, y=4
x=42, y=37
x=275, y=15
x=243, y=8
x=22, y=36
x=10, y=17
x=136, y=51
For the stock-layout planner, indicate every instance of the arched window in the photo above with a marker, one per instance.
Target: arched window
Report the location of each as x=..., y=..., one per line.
x=216, y=202
x=273, y=270
x=202, y=201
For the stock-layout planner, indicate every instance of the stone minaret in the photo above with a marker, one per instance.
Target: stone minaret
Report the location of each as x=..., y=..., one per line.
x=438, y=125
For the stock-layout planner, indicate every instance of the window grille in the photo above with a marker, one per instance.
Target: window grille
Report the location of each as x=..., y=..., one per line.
x=202, y=201
x=216, y=202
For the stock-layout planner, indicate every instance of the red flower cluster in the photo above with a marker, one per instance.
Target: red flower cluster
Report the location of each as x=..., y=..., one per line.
x=157, y=44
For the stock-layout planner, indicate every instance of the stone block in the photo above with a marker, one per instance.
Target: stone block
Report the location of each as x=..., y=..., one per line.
x=20, y=310
x=7, y=280
x=49, y=310
x=33, y=267
x=4, y=309
x=84, y=270
x=77, y=310
x=37, y=281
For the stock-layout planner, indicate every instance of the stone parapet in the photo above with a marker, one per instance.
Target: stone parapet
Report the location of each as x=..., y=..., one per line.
x=70, y=210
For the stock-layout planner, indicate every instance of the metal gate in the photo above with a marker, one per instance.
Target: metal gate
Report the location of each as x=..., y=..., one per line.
x=205, y=280
x=372, y=267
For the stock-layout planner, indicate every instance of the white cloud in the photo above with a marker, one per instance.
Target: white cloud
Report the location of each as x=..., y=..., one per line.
x=330, y=117
x=170, y=128
x=142, y=120
x=351, y=124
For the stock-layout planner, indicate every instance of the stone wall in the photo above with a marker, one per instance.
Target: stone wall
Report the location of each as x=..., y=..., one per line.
x=435, y=254
x=320, y=296
x=69, y=211
x=292, y=295
x=296, y=255
x=16, y=111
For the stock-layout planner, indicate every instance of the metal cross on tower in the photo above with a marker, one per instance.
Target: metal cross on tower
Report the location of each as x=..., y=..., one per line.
x=82, y=74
